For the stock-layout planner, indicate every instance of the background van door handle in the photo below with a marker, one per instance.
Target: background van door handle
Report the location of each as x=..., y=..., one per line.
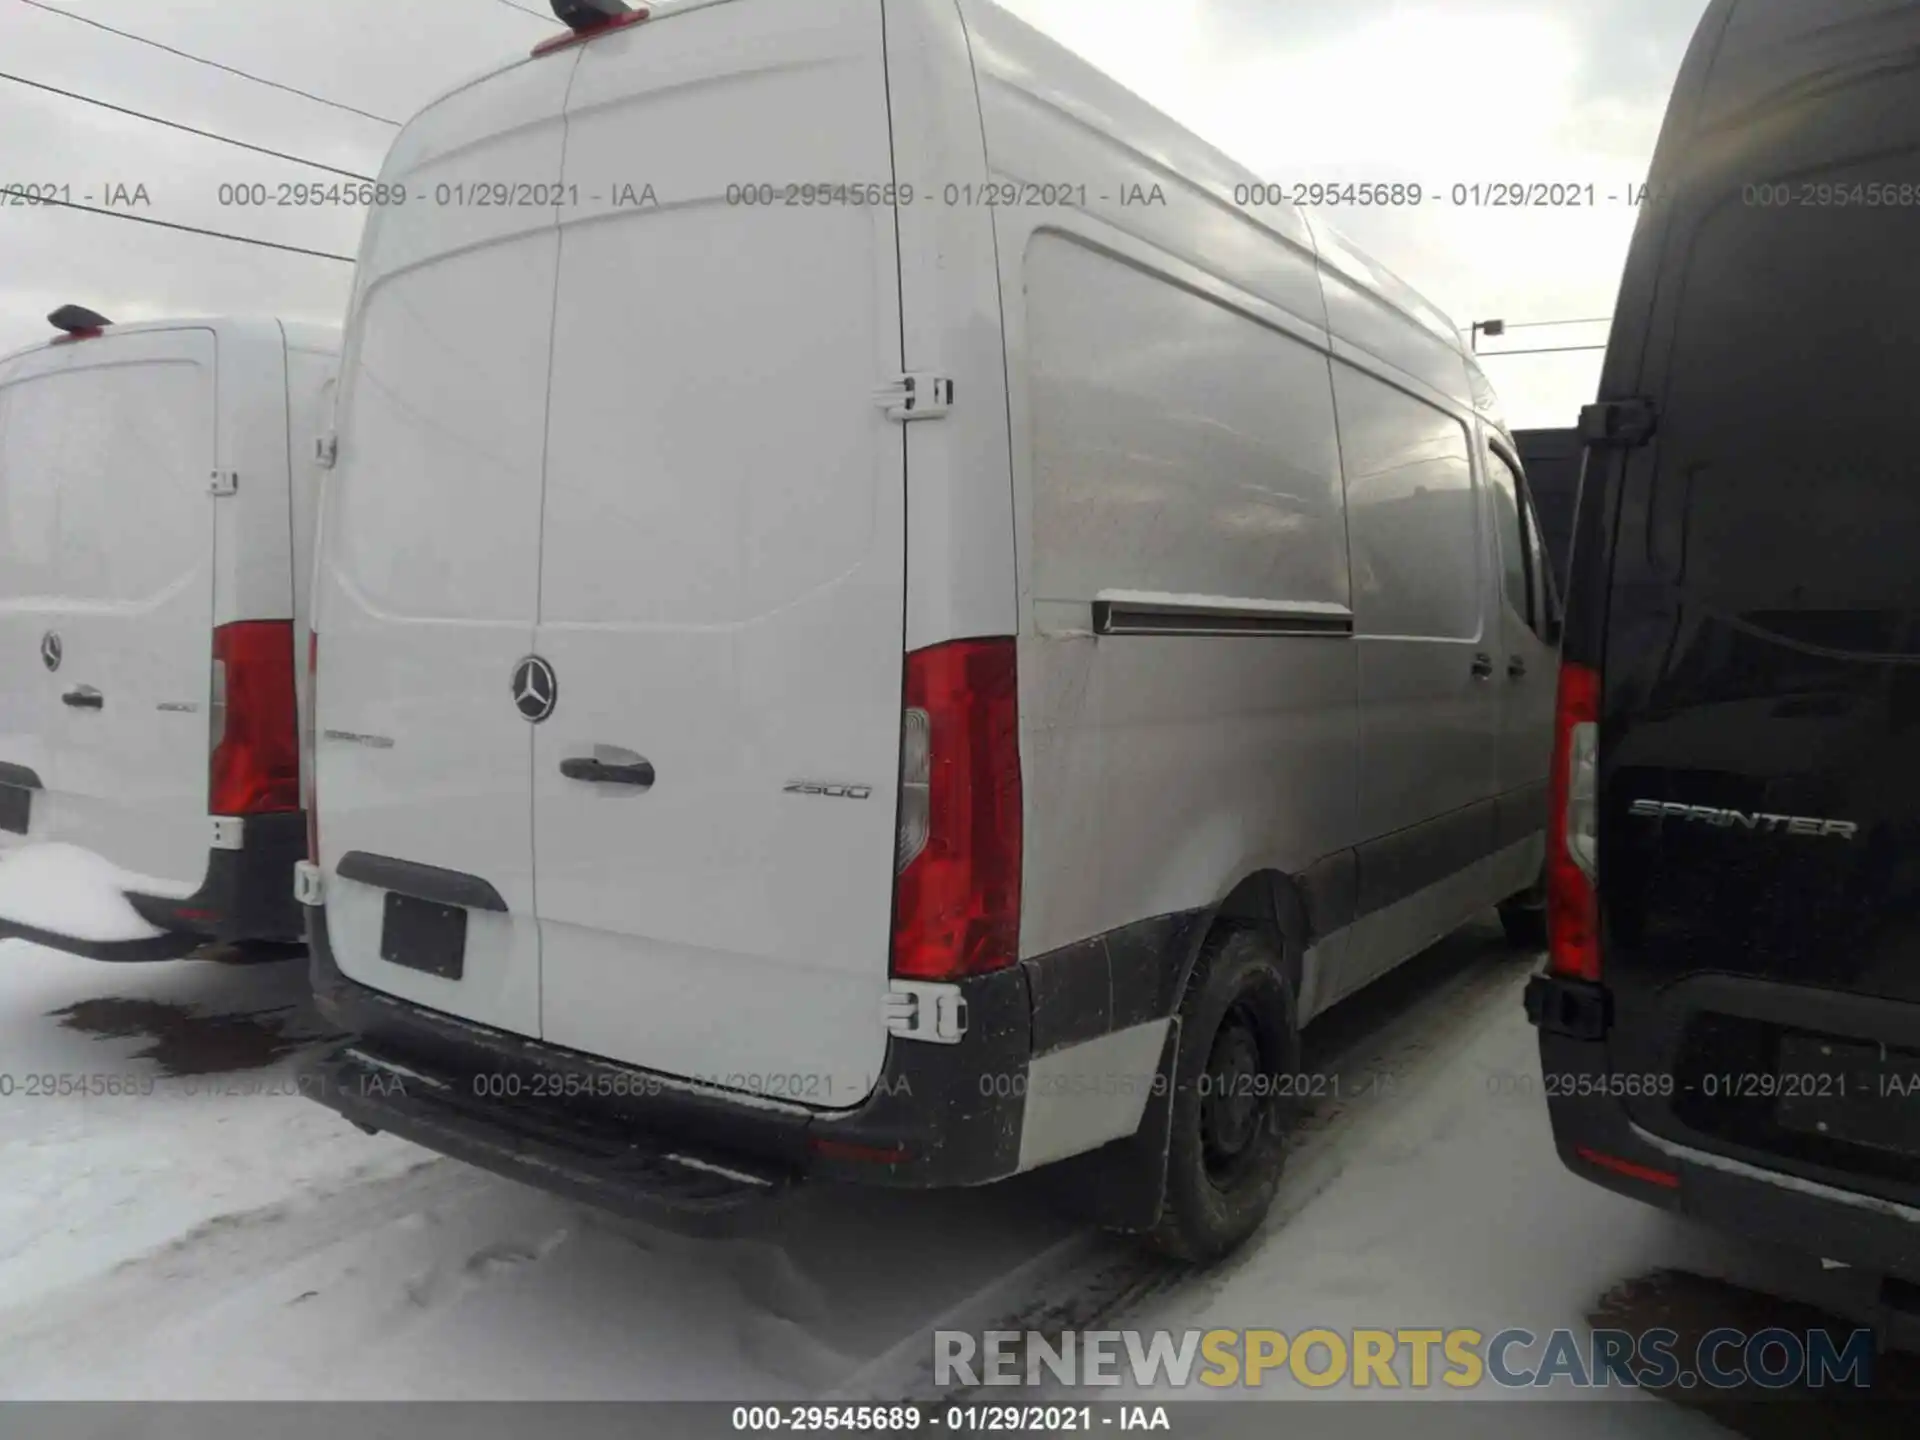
x=84, y=698
x=1516, y=666
x=599, y=772
x=1482, y=665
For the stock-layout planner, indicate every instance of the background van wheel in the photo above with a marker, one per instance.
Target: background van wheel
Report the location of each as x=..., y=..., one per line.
x=1239, y=1035
x=1524, y=918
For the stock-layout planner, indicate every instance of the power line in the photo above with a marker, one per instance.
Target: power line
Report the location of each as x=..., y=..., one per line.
x=202, y=60
x=550, y=19
x=176, y=125
x=1545, y=350
x=1536, y=324
x=190, y=229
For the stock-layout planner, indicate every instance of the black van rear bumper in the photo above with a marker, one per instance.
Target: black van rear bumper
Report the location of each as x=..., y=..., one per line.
x=247, y=895
x=633, y=1140
x=1598, y=1140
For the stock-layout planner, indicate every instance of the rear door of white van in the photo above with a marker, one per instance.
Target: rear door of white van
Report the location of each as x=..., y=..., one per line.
x=722, y=587
x=428, y=576
x=30, y=606
x=127, y=427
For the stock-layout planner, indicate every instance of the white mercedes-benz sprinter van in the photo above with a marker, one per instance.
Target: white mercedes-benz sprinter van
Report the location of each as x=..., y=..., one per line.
x=157, y=499
x=887, y=613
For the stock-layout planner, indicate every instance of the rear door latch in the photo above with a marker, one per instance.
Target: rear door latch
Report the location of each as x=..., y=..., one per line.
x=917, y=397
x=919, y=1010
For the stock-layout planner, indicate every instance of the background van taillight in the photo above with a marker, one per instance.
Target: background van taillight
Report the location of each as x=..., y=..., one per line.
x=1573, y=835
x=255, y=767
x=312, y=797
x=957, y=886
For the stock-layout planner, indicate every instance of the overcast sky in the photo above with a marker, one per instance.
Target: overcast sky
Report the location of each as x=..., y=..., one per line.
x=1442, y=92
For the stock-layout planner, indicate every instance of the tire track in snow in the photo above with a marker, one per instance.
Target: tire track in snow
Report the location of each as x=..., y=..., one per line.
x=202, y=1265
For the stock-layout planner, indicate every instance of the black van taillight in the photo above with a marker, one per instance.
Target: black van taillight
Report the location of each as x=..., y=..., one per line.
x=1573, y=837
x=255, y=768
x=957, y=862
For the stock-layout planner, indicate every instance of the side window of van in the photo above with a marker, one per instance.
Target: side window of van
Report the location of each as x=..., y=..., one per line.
x=1412, y=516
x=1517, y=561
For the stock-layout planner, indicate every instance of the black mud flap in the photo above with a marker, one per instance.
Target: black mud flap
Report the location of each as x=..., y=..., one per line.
x=1123, y=1185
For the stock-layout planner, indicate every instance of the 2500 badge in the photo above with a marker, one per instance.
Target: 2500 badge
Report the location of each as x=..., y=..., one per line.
x=832, y=792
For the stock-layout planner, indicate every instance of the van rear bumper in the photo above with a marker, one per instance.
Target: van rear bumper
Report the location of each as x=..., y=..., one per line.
x=624, y=1138
x=1872, y=1233
x=247, y=895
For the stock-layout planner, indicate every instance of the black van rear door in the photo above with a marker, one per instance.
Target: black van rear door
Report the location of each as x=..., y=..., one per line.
x=1760, y=752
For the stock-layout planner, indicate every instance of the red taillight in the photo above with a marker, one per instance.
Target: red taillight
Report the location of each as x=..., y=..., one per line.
x=256, y=750
x=1573, y=913
x=957, y=892
x=313, y=746
x=587, y=32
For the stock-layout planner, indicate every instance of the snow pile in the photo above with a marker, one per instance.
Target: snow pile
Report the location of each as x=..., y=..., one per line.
x=65, y=890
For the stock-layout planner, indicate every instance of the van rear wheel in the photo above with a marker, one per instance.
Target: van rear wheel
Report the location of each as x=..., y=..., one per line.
x=1239, y=1040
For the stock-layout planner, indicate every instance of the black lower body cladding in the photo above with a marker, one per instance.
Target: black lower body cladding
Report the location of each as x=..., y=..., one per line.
x=936, y=1117
x=941, y=1114
x=247, y=895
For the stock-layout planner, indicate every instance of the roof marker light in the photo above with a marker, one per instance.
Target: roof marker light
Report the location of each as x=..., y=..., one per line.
x=585, y=19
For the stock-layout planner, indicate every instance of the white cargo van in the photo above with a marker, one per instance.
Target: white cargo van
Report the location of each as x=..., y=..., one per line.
x=157, y=499
x=887, y=613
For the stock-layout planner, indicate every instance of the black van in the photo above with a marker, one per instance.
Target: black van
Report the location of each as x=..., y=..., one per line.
x=1729, y=1013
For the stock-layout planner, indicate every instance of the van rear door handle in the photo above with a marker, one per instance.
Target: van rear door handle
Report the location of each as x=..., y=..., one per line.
x=1482, y=665
x=1516, y=666
x=84, y=698
x=598, y=772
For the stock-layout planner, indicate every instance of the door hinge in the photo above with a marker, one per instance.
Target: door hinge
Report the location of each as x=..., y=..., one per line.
x=1617, y=424
x=225, y=482
x=326, y=449
x=919, y=1010
x=229, y=832
x=918, y=397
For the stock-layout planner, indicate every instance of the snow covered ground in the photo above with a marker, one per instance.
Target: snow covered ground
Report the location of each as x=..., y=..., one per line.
x=217, y=1236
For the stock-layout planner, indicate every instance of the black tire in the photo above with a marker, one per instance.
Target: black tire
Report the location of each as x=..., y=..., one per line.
x=1524, y=918
x=1239, y=1035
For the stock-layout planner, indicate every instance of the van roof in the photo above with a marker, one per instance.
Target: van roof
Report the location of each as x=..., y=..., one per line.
x=1054, y=71
x=298, y=334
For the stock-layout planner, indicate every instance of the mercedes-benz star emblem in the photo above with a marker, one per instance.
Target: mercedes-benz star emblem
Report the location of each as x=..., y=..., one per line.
x=535, y=690
x=50, y=650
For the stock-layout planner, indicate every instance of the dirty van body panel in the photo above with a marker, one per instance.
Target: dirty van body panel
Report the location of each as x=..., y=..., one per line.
x=1173, y=450
x=428, y=583
x=111, y=449
x=1751, y=602
x=723, y=581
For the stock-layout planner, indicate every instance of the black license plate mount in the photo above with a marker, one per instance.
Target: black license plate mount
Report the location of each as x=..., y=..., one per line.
x=424, y=935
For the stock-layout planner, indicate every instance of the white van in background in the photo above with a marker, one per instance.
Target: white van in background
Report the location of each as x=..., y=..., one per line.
x=888, y=613
x=158, y=489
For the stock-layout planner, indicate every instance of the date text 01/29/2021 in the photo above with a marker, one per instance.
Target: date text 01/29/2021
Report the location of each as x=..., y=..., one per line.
x=956, y=1419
